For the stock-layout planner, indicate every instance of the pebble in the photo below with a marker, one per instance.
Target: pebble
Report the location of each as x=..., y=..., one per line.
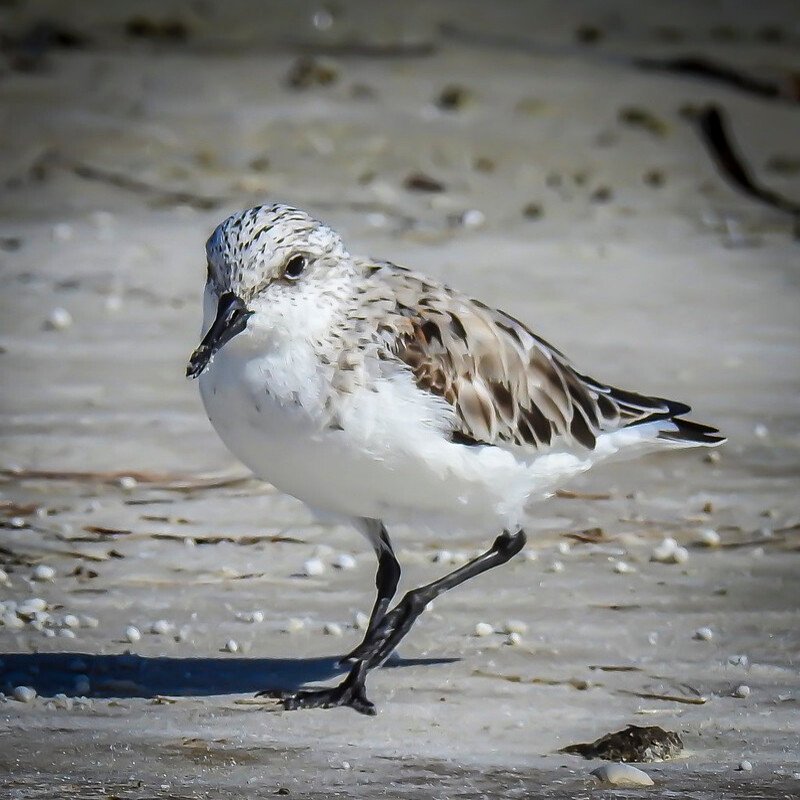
x=622, y=775
x=132, y=633
x=313, y=567
x=742, y=691
x=623, y=568
x=361, y=620
x=12, y=621
x=745, y=766
x=530, y=555
x=251, y=616
x=41, y=572
x=88, y=622
x=71, y=621
x=25, y=694
x=332, y=629
x=162, y=626
x=556, y=566
x=484, y=629
x=739, y=660
x=344, y=561
x=669, y=552
x=703, y=634
x=59, y=319
x=709, y=537
x=231, y=646
x=67, y=633
x=17, y=522
x=443, y=557
x=514, y=639
x=564, y=548
x=473, y=218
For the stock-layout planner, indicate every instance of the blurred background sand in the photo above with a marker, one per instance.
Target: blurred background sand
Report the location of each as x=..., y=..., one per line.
x=513, y=150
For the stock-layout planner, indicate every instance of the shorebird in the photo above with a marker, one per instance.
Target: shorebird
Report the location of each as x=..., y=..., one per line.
x=379, y=395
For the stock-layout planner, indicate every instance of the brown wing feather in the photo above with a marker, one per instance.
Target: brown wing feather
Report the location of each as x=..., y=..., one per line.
x=505, y=384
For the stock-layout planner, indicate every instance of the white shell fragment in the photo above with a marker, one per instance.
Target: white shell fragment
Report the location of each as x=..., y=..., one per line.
x=344, y=561
x=313, y=567
x=514, y=639
x=332, y=629
x=42, y=572
x=34, y=605
x=745, y=766
x=556, y=566
x=623, y=568
x=703, y=634
x=251, y=616
x=742, y=691
x=132, y=633
x=24, y=694
x=127, y=482
x=622, y=775
x=669, y=552
x=231, y=646
x=71, y=621
x=484, y=629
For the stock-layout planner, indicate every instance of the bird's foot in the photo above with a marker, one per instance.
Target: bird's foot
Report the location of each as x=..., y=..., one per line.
x=351, y=692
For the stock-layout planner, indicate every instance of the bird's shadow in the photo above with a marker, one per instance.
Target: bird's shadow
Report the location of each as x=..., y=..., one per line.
x=130, y=675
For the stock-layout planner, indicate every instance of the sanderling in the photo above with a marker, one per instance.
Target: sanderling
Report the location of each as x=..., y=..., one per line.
x=378, y=395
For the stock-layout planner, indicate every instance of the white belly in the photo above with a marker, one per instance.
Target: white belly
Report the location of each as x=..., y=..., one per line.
x=390, y=460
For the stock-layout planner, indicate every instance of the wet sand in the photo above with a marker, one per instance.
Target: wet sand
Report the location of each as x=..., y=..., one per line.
x=574, y=195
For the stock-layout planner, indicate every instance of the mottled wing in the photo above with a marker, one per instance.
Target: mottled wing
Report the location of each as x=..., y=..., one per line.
x=505, y=384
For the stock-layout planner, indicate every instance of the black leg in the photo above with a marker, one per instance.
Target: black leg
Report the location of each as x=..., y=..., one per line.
x=395, y=625
x=386, y=580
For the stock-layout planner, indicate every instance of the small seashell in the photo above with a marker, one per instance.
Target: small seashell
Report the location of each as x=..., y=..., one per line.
x=27, y=608
x=332, y=629
x=564, y=548
x=514, y=639
x=294, y=625
x=743, y=690
x=709, y=537
x=67, y=633
x=24, y=694
x=71, y=621
x=132, y=633
x=162, y=626
x=484, y=629
x=17, y=522
x=88, y=622
x=616, y=774
x=556, y=566
x=664, y=552
x=744, y=766
x=313, y=567
x=231, y=646
x=344, y=561
x=515, y=626
x=59, y=319
x=703, y=634
x=680, y=556
x=443, y=557
x=623, y=568
x=738, y=660
x=62, y=702
x=127, y=482
x=251, y=616
x=11, y=621
x=361, y=620
x=42, y=572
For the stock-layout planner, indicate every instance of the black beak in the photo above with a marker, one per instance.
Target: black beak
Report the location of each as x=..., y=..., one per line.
x=232, y=316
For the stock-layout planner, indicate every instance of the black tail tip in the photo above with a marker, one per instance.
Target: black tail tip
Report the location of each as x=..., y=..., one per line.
x=693, y=433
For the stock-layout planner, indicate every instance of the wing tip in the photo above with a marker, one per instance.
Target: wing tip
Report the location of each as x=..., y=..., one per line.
x=688, y=432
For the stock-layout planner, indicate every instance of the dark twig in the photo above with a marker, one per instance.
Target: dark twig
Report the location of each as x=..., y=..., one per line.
x=713, y=129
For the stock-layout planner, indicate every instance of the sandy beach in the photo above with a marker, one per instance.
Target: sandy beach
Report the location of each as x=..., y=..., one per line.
x=152, y=586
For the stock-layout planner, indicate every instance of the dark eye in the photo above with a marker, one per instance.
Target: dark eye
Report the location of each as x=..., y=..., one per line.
x=294, y=267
